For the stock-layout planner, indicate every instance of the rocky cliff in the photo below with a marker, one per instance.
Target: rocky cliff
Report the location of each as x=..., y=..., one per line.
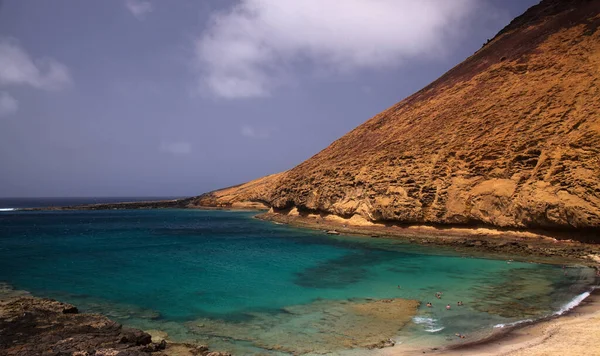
x=508, y=138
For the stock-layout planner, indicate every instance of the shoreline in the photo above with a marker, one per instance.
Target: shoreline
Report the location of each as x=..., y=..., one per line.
x=521, y=339
x=528, y=246
x=538, y=336
x=34, y=325
x=563, y=247
x=508, y=341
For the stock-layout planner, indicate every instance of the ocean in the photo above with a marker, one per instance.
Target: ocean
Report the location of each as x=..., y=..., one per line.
x=248, y=286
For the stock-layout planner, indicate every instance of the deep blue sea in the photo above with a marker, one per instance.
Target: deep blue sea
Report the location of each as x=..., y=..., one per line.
x=253, y=287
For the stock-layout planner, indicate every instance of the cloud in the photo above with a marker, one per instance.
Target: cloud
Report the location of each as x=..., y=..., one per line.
x=18, y=68
x=250, y=49
x=251, y=132
x=176, y=148
x=8, y=104
x=139, y=8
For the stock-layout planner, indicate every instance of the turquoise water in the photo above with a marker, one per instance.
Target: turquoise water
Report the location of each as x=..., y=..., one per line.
x=238, y=283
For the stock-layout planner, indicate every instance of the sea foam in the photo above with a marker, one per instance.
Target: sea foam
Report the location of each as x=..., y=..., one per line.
x=573, y=303
x=565, y=308
x=430, y=324
x=513, y=323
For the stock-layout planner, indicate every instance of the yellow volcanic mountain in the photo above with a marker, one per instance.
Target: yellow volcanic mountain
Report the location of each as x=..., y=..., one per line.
x=508, y=138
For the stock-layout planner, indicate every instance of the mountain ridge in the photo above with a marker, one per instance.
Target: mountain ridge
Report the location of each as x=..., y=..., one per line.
x=509, y=138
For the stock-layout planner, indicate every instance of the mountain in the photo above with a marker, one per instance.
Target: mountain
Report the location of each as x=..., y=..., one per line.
x=508, y=138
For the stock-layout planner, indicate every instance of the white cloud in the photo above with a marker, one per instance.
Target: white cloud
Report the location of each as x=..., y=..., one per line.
x=18, y=68
x=139, y=8
x=8, y=104
x=248, y=50
x=251, y=132
x=176, y=148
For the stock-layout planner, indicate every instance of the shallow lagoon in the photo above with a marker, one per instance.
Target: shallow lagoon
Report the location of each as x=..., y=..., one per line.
x=237, y=283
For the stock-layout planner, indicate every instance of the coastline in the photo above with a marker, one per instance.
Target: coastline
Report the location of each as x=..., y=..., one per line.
x=522, y=339
x=567, y=333
x=570, y=333
x=32, y=325
x=529, y=246
x=562, y=247
x=150, y=204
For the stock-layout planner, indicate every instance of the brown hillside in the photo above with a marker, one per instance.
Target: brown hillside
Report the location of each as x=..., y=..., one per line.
x=510, y=138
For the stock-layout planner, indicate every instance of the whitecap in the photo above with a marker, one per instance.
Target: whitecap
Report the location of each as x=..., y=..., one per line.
x=430, y=324
x=423, y=320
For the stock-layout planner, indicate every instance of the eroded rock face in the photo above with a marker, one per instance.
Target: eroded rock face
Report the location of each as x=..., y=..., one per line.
x=508, y=138
x=34, y=326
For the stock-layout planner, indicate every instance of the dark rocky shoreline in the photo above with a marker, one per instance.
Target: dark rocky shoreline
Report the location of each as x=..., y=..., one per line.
x=37, y=326
x=558, y=249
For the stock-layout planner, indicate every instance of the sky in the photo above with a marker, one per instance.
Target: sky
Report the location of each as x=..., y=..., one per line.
x=177, y=98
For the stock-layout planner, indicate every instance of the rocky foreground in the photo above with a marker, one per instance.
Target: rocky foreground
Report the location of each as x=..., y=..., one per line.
x=34, y=326
x=509, y=138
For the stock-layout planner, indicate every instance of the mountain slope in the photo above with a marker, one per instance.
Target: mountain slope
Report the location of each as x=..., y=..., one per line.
x=508, y=138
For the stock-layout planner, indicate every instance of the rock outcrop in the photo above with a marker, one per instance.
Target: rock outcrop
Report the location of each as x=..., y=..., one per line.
x=508, y=138
x=254, y=194
x=35, y=326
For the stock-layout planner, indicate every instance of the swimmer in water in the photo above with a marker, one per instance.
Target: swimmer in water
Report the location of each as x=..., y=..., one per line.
x=429, y=305
x=448, y=307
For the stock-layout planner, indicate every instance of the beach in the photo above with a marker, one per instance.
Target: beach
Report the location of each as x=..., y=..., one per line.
x=278, y=178
x=575, y=333
x=269, y=288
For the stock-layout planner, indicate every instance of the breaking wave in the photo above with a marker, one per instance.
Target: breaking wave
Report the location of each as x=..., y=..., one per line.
x=573, y=303
x=565, y=308
x=430, y=324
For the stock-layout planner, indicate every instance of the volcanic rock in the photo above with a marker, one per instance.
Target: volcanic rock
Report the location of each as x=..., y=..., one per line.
x=508, y=138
